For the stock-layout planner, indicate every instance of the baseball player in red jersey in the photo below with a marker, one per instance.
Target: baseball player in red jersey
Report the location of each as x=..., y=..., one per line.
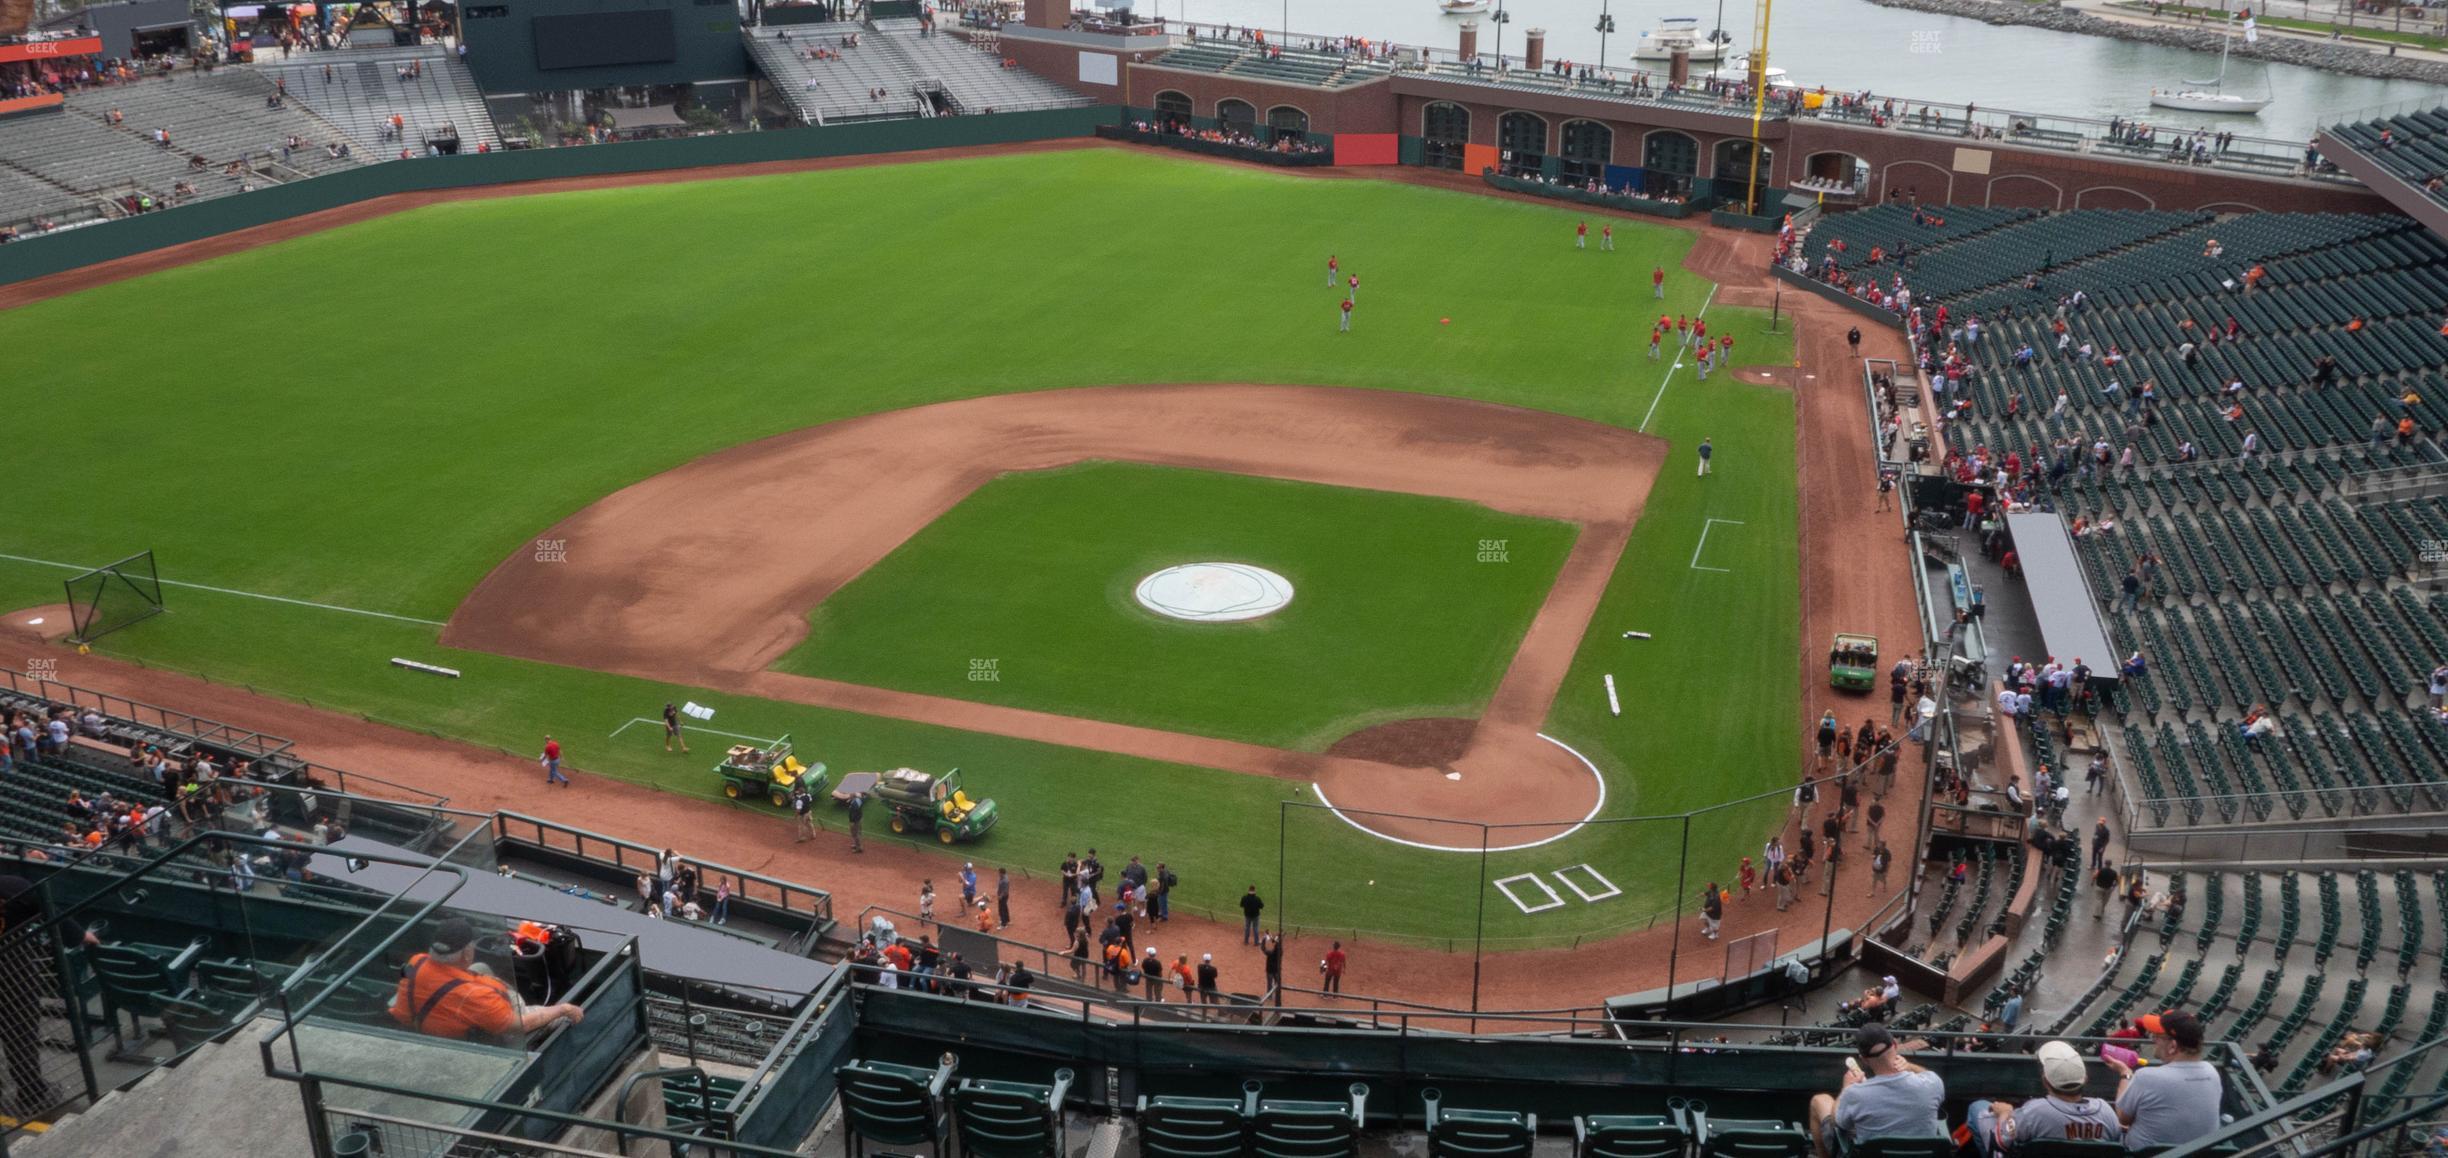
x=1331, y=268
x=1581, y=236
x=1657, y=333
x=1657, y=283
x=1353, y=293
x=1606, y=238
x=1347, y=309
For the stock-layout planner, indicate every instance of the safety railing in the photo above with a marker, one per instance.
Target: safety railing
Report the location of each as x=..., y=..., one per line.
x=2176, y=815
x=141, y=716
x=793, y=903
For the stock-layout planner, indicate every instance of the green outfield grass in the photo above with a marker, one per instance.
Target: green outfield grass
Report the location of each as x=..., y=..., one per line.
x=1023, y=595
x=554, y=349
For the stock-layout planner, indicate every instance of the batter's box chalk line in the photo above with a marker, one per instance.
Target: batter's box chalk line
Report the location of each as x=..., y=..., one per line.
x=1505, y=885
x=1705, y=527
x=1606, y=889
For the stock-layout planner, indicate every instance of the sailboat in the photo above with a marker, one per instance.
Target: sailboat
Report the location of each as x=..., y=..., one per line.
x=2210, y=96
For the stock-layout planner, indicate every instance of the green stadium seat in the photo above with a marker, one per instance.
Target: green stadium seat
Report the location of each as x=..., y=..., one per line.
x=1288, y=1128
x=1458, y=1133
x=896, y=1106
x=1627, y=1136
x=2059, y=1148
x=137, y=983
x=1748, y=1138
x=1191, y=1127
x=1011, y=1119
x=1894, y=1147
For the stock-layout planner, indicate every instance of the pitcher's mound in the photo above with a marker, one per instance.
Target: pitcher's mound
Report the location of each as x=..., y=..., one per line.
x=1430, y=743
x=48, y=623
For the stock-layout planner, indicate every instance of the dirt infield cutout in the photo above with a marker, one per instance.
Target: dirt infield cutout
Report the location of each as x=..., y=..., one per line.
x=674, y=578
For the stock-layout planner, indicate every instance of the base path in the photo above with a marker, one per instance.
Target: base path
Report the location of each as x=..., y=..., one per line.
x=679, y=579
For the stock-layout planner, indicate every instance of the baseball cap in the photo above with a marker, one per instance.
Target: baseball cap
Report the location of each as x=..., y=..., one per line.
x=2175, y=1023
x=2061, y=1067
x=452, y=935
x=1873, y=1040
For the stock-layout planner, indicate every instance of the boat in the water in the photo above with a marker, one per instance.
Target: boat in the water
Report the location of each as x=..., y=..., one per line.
x=1682, y=34
x=1461, y=7
x=1739, y=72
x=2211, y=96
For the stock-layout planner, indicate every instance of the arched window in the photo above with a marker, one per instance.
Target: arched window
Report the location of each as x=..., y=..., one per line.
x=1734, y=170
x=1521, y=141
x=1671, y=160
x=1587, y=147
x=1836, y=174
x=1237, y=115
x=1444, y=129
x=1288, y=121
x=1172, y=108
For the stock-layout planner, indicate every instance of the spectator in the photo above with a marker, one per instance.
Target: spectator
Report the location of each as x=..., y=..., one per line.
x=446, y=994
x=2176, y=1099
x=1884, y=1096
x=2062, y=1115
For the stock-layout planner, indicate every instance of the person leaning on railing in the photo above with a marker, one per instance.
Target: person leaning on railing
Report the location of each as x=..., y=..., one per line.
x=444, y=993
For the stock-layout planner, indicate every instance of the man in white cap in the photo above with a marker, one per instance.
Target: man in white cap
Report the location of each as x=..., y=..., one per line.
x=2062, y=1115
x=1208, y=993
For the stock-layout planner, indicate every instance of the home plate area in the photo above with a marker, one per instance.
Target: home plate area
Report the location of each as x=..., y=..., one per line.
x=1517, y=889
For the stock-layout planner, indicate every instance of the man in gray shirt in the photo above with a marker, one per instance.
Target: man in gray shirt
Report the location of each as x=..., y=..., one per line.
x=1884, y=1096
x=2065, y=1115
x=2176, y=1098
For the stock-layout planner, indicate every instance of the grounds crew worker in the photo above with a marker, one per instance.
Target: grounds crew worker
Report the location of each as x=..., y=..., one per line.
x=444, y=994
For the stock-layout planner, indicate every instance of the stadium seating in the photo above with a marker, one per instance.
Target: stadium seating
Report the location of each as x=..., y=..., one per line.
x=1459, y=1133
x=67, y=163
x=1011, y=1119
x=2281, y=579
x=1625, y=1136
x=365, y=89
x=1194, y=1127
x=2415, y=148
x=902, y=67
x=1289, y=66
x=895, y=1106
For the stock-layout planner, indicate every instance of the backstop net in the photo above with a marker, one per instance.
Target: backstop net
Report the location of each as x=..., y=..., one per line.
x=113, y=596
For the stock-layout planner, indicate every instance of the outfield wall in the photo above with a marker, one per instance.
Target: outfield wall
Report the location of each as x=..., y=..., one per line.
x=77, y=248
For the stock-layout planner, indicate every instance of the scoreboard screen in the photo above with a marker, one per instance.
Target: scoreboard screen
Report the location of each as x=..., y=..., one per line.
x=604, y=39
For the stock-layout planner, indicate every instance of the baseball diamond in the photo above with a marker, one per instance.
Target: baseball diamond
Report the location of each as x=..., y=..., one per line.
x=776, y=553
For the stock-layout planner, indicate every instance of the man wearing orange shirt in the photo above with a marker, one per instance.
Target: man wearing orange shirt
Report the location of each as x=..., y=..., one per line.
x=442, y=994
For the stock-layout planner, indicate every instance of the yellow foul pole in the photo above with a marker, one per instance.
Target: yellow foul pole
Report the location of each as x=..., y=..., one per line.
x=1759, y=104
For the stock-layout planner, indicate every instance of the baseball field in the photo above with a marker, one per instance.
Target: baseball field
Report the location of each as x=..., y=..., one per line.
x=816, y=449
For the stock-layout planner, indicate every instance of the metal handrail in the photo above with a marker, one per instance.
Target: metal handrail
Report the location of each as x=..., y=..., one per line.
x=253, y=744
x=818, y=904
x=821, y=1003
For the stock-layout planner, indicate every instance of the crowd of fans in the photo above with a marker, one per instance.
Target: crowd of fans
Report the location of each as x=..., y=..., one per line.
x=2169, y=1099
x=678, y=889
x=1664, y=195
x=1239, y=137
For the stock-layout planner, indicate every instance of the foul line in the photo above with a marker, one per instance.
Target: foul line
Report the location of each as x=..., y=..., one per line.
x=1696, y=547
x=636, y=720
x=246, y=594
x=1678, y=364
x=1576, y=826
